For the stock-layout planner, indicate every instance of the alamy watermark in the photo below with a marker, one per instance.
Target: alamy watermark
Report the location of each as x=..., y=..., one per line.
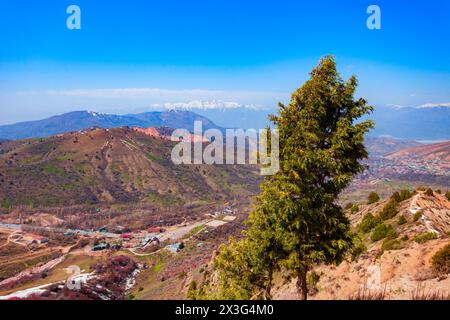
x=373, y=281
x=73, y=21
x=374, y=20
x=238, y=147
x=74, y=281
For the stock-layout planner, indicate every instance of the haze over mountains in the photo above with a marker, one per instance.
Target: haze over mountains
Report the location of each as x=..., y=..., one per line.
x=381, y=146
x=79, y=120
x=425, y=123
x=437, y=151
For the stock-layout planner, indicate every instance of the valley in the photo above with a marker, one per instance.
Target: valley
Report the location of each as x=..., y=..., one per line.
x=201, y=159
x=92, y=197
x=119, y=165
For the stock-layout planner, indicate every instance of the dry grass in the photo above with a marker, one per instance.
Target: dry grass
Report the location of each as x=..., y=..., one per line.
x=421, y=293
x=365, y=294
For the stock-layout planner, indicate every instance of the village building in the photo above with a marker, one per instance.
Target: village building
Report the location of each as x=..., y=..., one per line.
x=34, y=239
x=100, y=247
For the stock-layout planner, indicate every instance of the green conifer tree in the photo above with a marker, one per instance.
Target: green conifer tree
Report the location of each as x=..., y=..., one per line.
x=296, y=223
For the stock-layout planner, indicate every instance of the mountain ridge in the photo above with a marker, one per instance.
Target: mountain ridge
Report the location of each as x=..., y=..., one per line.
x=422, y=124
x=118, y=165
x=412, y=123
x=81, y=120
x=428, y=152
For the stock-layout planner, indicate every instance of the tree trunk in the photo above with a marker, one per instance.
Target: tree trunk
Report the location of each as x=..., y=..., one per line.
x=302, y=287
x=267, y=293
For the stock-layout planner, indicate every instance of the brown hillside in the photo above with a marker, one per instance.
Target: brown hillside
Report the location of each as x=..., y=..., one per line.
x=404, y=269
x=111, y=165
x=437, y=151
x=380, y=146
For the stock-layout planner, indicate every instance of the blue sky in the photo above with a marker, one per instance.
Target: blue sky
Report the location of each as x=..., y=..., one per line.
x=132, y=55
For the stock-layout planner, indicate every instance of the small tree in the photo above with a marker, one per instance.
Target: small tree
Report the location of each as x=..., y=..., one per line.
x=355, y=209
x=368, y=223
x=395, y=197
x=373, y=198
x=382, y=231
x=245, y=269
x=390, y=209
x=192, y=291
x=405, y=194
x=440, y=262
x=358, y=248
x=424, y=237
x=402, y=220
x=417, y=216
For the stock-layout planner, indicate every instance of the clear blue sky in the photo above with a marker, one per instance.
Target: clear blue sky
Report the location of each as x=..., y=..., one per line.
x=251, y=52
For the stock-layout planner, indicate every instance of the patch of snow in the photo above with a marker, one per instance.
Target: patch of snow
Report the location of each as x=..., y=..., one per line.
x=22, y=294
x=414, y=210
x=131, y=281
x=96, y=114
x=216, y=223
x=205, y=105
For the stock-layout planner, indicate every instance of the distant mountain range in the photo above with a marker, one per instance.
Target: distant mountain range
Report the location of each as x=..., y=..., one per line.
x=431, y=123
x=426, y=123
x=381, y=146
x=437, y=151
x=79, y=120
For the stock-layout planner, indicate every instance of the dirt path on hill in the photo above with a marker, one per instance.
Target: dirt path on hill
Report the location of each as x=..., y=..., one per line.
x=47, y=266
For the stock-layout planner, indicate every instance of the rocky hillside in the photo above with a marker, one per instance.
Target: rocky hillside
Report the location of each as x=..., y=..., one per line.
x=380, y=146
x=111, y=165
x=438, y=151
x=398, y=239
x=395, y=242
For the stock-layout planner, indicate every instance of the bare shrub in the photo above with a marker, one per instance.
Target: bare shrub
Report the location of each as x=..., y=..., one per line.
x=365, y=293
x=421, y=293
